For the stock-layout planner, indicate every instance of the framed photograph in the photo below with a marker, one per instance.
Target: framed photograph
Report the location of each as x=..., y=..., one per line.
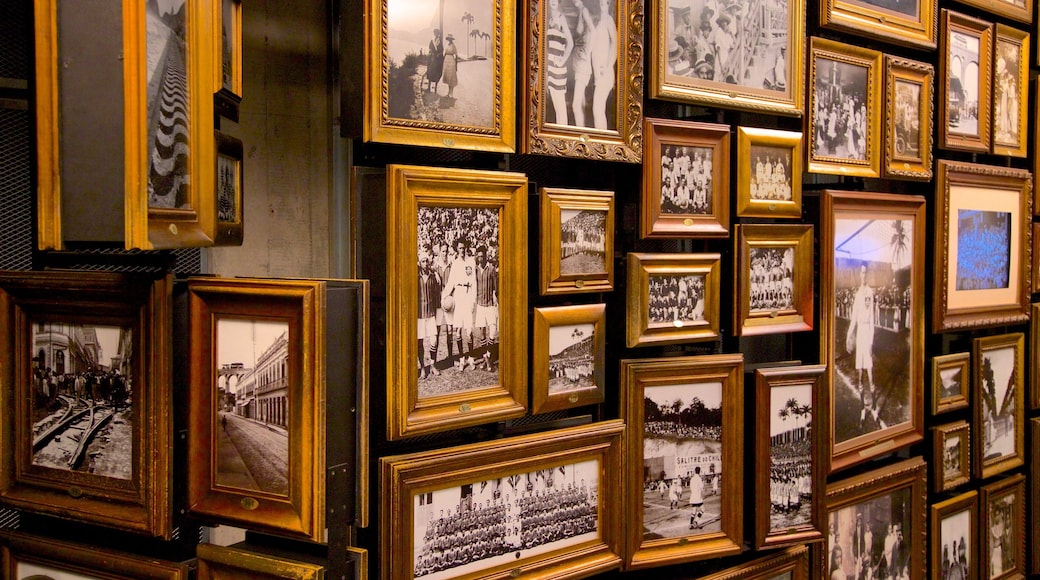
x=543, y=504
x=910, y=23
x=844, y=117
x=769, y=173
x=908, y=119
x=30, y=557
x=1003, y=537
x=951, y=455
x=228, y=19
x=230, y=222
x=1034, y=355
x=577, y=241
x=1020, y=10
x=789, y=439
x=872, y=319
x=998, y=416
x=1034, y=493
x=86, y=396
x=718, y=55
x=774, y=279
x=229, y=563
x=457, y=264
x=433, y=82
x=684, y=432
x=790, y=564
x=966, y=50
x=1010, y=91
x=952, y=553
x=569, y=357
x=951, y=382
x=876, y=524
x=685, y=180
x=982, y=241
x=584, y=79
x=672, y=298
x=257, y=404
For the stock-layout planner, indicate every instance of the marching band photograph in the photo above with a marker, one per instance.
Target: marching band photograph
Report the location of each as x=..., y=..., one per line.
x=790, y=456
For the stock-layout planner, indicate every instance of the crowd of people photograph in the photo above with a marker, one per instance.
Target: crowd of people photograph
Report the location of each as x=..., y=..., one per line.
x=686, y=180
x=583, y=242
x=790, y=456
x=840, y=110
x=983, y=249
x=676, y=299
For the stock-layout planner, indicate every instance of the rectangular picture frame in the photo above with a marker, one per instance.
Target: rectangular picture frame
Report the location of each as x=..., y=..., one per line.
x=268, y=338
x=661, y=319
x=1034, y=355
x=25, y=555
x=965, y=107
x=228, y=95
x=770, y=188
x=991, y=291
x=951, y=382
x=951, y=455
x=998, y=417
x=1010, y=91
x=1020, y=10
x=789, y=564
x=229, y=187
x=908, y=118
x=493, y=206
x=70, y=343
x=219, y=562
x=711, y=388
x=872, y=240
x=569, y=357
x=953, y=546
x=1003, y=528
x=457, y=479
x=1034, y=494
x=913, y=25
x=774, y=280
x=577, y=253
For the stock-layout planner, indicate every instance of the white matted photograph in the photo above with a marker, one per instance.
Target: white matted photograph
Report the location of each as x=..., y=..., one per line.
x=790, y=456
x=583, y=242
x=676, y=300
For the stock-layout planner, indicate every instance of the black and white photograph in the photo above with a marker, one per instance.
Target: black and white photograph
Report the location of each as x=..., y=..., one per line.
x=955, y=537
x=682, y=460
x=1001, y=541
x=997, y=393
x=478, y=525
x=458, y=299
x=983, y=249
x=686, y=180
x=962, y=66
x=676, y=300
x=82, y=398
x=772, y=279
x=841, y=109
x=871, y=539
x=252, y=405
x=229, y=181
x=227, y=49
x=168, y=104
x=572, y=358
x=1006, y=91
x=771, y=173
x=583, y=242
x=907, y=121
x=952, y=381
x=790, y=456
x=951, y=460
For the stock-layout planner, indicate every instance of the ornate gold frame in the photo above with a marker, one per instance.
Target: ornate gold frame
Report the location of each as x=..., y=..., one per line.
x=863, y=19
x=898, y=163
x=767, y=236
x=1012, y=485
x=641, y=331
x=969, y=502
x=940, y=433
x=983, y=31
x=1004, y=8
x=1020, y=38
x=747, y=206
x=791, y=564
x=546, y=318
x=216, y=562
x=554, y=201
x=961, y=360
x=986, y=466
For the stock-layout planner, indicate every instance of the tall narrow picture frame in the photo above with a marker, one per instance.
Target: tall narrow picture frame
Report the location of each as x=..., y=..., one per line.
x=228, y=21
x=909, y=86
x=457, y=264
x=871, y=276
x=672, y=298
x=998, y=415
x=230, y=180
x=1010, y=91
x=580, y=103
x=413, y=68
x=577, y=253
x=773, y=279
x=951, y=455
x=683, y=449
x=87, y=397
x=908, y=23
x=769, y=173
x=1002, y=542
x=953, y=547
x=965, y=109
x=569, y=357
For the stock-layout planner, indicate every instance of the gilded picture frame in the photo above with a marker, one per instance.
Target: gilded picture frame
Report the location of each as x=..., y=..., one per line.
x=30, y=556
x=680, y=72
x=258, y=379
x=1034, y=355
x=228, y=185
x=771, y=188
x=790, y=463
x=908, y=118
x=73, y=346
x=912, y=25
x=577, y=253
x=953, y=545
x=490, y=210
x=965, y=106
x=408, y=102
x=228, y=32
x=843, y=77
x=871, y=241
x=789, y=564
x=606, y=126
x=774, y=279
x=1003, y=528
x=1010, y=91
x=685, y=180
x=654, y=316
x=998, y=418
x=224, y=562
x=578, y=465
x=569, y=357
x=1034, y=493
x=990, y=284
x=1020, y=10
x=951, y=382
x=709, y=431
x=951, y=455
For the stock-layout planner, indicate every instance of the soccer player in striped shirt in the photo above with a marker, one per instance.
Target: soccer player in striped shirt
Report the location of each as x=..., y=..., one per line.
x=429, y=303
x=486, y=319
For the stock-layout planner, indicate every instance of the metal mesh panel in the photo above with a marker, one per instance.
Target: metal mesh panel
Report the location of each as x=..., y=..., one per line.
x=185, y=261
x=16, y=205
x=15, y=45
x=9, y=519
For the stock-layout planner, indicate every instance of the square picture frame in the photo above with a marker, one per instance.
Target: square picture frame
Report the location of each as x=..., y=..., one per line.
x=1003, y=528
x=951, y=382
x=908, y=118
x=71, y=343
x=569, y=357
x=709, y=433
x=218, y=562
x=25, y=555
x=789, y=564
x=843, y=77
x=490, y=209
x=690, y=153
x=1020, y=10
x=951, y=455
x=508, y=474
x=770, y=188
x=229, y=184
x=1010, y=91
x=408, y=102
x=661, y=319
x=790, y=463
x=909, y=25
x=870, y=243
x=774, y=280
x=680, y=72
x=965, y=106
x=991, y=290
x=258, y=380
x=998, y=417
x=558, y=62
x=228, y=32
x=577, y=253
x=953, y=548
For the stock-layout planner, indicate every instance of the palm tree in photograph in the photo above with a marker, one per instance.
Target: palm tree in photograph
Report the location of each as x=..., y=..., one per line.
x=474, y=34
x=486, y=37
x=900, y=240
x=468, y=19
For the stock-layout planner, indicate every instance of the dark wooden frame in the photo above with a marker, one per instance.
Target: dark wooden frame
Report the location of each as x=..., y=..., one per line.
x=1012, y=485
x=800, y=317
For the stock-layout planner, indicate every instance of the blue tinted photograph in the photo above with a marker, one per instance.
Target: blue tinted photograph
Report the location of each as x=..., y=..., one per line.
x=983, y=249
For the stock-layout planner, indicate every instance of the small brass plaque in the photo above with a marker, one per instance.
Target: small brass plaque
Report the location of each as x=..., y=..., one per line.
x=579, y=283
x=249, y=503
x=465, y=408
x=772, y=207
x=773, y=314
x=515, y=572
x=573, y=398
x=448, y=142
x=678, y=323
x=906, y=166
x=684, y=541
x=688, y=222
x=173, y=229
x=75, y=491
